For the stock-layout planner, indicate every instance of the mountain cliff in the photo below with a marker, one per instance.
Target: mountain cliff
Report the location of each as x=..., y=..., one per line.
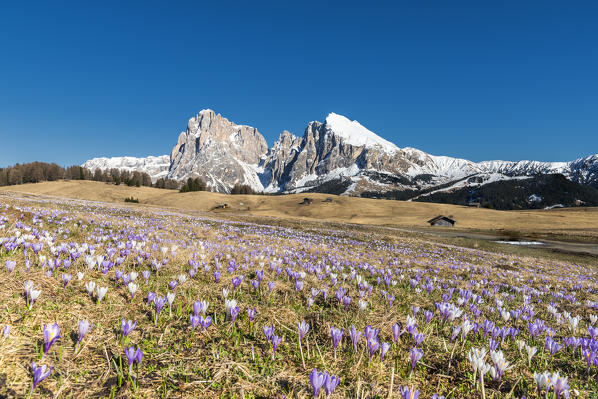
x=338, y=155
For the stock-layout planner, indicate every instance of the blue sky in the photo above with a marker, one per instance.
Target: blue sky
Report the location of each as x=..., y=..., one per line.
x=479, y=80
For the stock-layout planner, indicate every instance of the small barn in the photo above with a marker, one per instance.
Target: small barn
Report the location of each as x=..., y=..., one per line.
x=221, y=206
x=306, y=201
x=442, y=221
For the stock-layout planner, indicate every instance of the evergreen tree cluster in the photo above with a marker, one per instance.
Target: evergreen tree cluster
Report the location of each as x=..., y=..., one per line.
x=242, y=189
x=35, y=172
x=196, y=184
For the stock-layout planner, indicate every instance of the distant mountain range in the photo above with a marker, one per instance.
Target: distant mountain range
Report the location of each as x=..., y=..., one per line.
x=338, y=156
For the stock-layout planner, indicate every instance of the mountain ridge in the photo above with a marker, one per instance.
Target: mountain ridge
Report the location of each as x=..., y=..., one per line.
x=337, y=150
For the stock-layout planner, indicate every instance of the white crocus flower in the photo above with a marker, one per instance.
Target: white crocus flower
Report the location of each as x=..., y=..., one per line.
x=101, y=293
x=90, y=286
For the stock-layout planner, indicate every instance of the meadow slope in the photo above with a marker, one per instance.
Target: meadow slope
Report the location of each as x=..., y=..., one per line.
x=570, y=221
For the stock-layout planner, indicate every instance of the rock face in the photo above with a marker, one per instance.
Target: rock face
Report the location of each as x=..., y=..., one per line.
x=156, y=167
x=219, y=151
x=337, y=155
x=336, y=149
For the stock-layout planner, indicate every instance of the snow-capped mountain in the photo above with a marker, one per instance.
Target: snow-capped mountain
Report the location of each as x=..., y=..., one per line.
x=156, y=167
x=219, y=151
x=337, y=155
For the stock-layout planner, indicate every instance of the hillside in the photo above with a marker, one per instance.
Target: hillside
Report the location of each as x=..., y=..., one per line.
x=578, y=220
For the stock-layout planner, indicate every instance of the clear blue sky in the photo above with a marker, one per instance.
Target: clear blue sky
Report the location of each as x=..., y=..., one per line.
x=508, y=80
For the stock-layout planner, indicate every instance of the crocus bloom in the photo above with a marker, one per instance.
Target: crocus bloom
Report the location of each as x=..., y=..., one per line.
x=276, y=340
x=134, y=355
x=200, y=307
x=355, y=337
x=268, y=332
x=396, y=331
x=101, y=293
x=409, y=393
x=302, y=328
x=415, y=355
x=560, y=385
x=337, y=335
x=66, y=277
x=84, y=328
x=10, y=265
x=205, y=322
x=317, y=380
x=170, y=297
x=6, y=331
x=194, y=321
x=330, y=383
x=251, y=314
x=234, y=312
x=90, y=287
x=383, y=349
x=127, y=326
x=39, y=374
x=51, y=334
x=160, y=301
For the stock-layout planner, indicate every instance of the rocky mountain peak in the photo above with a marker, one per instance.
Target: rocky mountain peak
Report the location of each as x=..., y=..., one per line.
x=219, y=151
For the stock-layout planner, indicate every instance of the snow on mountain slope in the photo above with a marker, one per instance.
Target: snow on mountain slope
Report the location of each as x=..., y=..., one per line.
x=336, y=150
x=355, y=134
x=155, y=166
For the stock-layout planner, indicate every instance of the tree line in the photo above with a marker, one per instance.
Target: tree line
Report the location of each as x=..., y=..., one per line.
x=36, y=172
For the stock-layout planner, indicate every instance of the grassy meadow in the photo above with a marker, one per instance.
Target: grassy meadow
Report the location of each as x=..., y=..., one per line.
x=228, y=308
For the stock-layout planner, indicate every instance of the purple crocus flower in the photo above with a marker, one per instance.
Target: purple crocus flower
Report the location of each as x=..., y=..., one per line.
x=6, y=331
x=160, y=302
x=234, y=312
x=276, y=340
x=200, y=307
x=39, y=374
x=151, y=297
x=237, y=281
x=84, y=328
x=428, y=316
x=172, y=284
x=409, y=393
x=355, y=337
x=590, y=356
x=337, y=335
x=552, y=346
x=146, y=275
x=383, y=349
x=217, y=276
x=560, y=386
x=134, y=355
x=205, y=322
x=268, y=332
x=302, y=328
x=330, y=383
x=66, y=277
x=415, y=355
x=270, y=287
x=10, y=265
x=418, y=338
x=194, y=321
x=127, y=326
x=396, y=332
x=317, y=381
x=51, y=334
x=251, y=314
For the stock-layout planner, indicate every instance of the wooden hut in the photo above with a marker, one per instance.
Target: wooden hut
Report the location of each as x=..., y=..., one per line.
x=442, y=221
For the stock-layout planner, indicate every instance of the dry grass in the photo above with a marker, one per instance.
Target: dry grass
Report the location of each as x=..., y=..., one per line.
x=564, y=222
x=235, y=362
